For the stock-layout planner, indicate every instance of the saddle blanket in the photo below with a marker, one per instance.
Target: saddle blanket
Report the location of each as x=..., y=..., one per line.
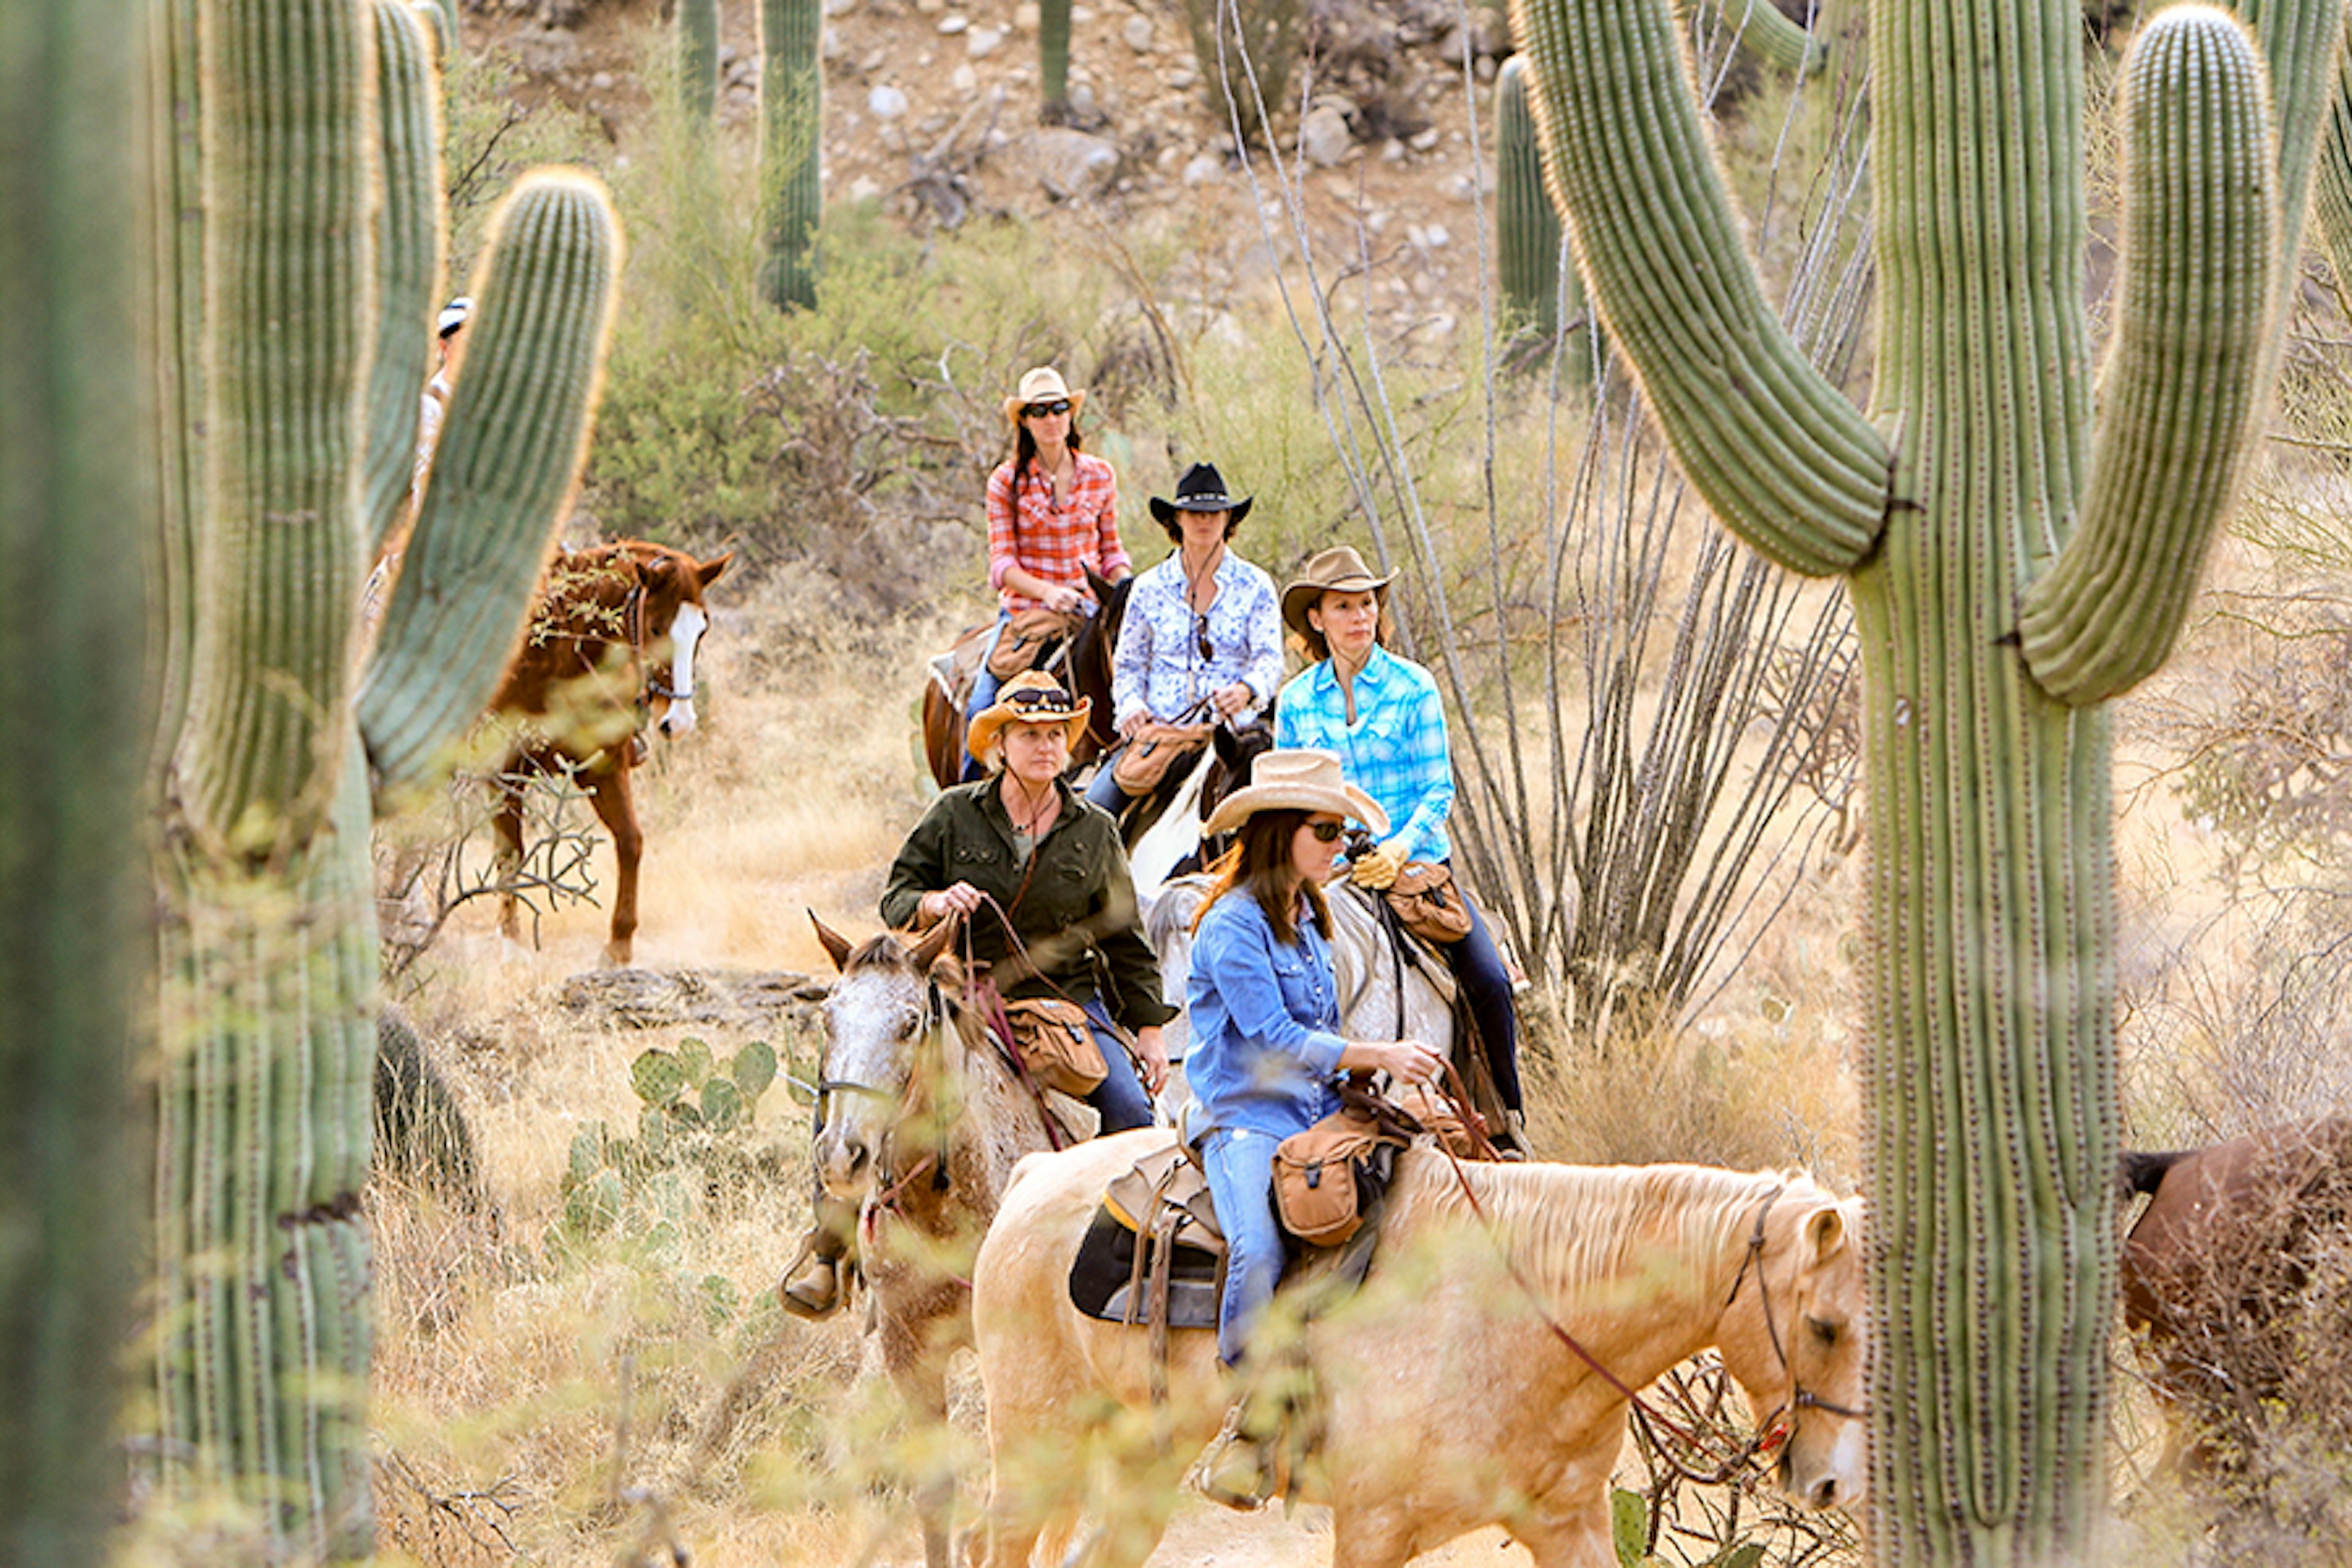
x=1104, y=1279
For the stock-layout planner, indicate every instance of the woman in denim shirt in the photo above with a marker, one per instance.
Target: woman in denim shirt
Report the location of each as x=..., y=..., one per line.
x=1266, y=1011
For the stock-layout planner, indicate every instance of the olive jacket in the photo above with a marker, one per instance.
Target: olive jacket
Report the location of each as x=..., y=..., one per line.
x=1074, y=910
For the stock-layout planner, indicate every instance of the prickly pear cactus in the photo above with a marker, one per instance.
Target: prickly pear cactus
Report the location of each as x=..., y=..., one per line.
x=77, y=517
x=2017, y=552
x=791, y=124
x=267, y=999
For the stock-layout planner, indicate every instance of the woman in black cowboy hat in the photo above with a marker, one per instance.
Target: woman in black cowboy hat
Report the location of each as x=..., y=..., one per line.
x=1201, y=638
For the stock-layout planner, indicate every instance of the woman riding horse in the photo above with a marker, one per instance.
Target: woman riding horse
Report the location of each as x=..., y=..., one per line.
x=1039, y=878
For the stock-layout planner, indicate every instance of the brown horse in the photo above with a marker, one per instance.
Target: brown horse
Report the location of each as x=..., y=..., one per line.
x=2238, y=1261
x=1449, y=1395
x=921, y=1118
x=1086, y=671
x=609, y=649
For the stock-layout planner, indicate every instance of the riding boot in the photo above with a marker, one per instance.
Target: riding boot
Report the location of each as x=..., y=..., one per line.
x=1511, y=1139
x=812, y=1285
x=1242, y=1467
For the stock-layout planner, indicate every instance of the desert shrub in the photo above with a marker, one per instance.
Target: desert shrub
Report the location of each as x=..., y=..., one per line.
x=493, y=132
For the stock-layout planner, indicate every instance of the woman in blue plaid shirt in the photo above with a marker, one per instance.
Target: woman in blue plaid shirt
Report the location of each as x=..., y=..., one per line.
x=1382, y=715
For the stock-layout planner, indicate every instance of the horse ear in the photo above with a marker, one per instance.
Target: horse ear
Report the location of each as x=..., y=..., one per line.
x=935, y=942
x=835, y=943
x=1825, y=1231
x=712, y=570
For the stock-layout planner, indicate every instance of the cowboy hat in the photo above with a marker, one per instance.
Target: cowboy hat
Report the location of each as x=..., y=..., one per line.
x=1338, y=569
x=1032, y=697
x=1043, y=385
x=1306, y=781
x=452, y=315
x=1200, y=488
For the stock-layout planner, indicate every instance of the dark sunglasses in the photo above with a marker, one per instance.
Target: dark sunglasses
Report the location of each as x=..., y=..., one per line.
x=1200, y=637
x=1326, y=832
x=1039, y=410
x=1038, y=700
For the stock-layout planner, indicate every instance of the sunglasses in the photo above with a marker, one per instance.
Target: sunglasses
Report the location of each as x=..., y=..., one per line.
x=1200, y=637
x=1040, y=410
x=1326, y=832
x=1037, y=699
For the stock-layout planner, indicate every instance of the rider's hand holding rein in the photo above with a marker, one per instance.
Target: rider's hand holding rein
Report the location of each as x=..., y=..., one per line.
x=1407, y=1061
x=955, y=899
x=1377, y=868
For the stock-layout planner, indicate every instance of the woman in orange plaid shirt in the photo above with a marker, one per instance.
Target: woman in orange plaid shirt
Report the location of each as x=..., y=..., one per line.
x=1052, y=512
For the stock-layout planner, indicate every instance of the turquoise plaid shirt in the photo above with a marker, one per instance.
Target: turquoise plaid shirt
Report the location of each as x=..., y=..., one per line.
x=1396, y=750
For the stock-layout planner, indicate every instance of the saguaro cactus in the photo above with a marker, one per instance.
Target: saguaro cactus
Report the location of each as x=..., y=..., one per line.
x=1535, y=272
x=76, y=506
x=792, y=136
x=1053, y=60
x=698, y=59
x=2014, y=556
x=269, y=942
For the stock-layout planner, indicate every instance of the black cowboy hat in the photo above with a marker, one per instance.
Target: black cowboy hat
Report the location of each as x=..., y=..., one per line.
x=1200, y=488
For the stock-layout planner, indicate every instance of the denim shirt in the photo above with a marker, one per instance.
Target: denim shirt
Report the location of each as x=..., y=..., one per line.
x=1264, y=1017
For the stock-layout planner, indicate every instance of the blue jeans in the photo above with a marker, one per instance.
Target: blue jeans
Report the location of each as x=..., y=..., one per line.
x=1105, y=791
x=1240, y=1167
x=1486, y=987
x=1120, y=1099
x=984, y=687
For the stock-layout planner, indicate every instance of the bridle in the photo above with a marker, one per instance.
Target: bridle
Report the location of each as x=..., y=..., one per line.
x=929, y=1021
x=1800, y=1397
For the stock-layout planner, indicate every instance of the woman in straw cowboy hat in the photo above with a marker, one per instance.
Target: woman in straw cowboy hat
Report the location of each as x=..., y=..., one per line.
x=1201, y=639
x=1382, y=715
x=1264, y=1009
x=1053, y=514
x=1039, y=878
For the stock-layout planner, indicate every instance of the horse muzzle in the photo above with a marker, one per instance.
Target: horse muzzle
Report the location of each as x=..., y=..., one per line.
x=679, y=718
x=845, y=1167
x=1834, y=1473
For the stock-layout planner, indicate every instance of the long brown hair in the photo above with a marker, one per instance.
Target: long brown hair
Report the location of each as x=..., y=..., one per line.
x=1024, y=451
x=1259, y=864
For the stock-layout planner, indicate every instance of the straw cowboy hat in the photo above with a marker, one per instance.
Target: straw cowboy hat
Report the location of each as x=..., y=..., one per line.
x=1338, y=568
x=1296, y=781
x=1032, y=697
x=1200, y=488
x=1043, y=385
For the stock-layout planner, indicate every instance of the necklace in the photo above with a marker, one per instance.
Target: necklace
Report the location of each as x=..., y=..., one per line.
x=1037, y=810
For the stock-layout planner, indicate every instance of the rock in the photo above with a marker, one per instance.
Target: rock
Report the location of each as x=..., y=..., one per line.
x=834, y=45
x=864, y=189
x=602, y=81
x=981, y=42
x=1204, y=168
x=965, y=80
x=1422, y=140
x=1324, y=136
x=654, y=998
x=1392, y=151
x=839, y=8
x=1024, y=15
x=951, y=26
x=886, y=102
x=1137, y=34
x=1071, y=164
x=1435, y=237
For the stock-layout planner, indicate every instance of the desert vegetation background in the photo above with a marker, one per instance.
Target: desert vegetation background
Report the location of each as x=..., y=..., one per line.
x=580, y=1357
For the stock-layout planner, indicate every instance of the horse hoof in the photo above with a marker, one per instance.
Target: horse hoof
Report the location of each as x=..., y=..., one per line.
x=617, y=955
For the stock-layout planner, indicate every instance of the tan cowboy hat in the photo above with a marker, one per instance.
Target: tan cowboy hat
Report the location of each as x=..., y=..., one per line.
x=1296, y=781
x=1043, y=385
x=1032, y=697
x=1338, y=567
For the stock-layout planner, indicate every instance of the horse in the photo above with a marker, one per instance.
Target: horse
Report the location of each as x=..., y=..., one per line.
x=922, y=1118
x=1481, y=1376
x=610, y=648
x=1083, y=665
x=2228, y=1275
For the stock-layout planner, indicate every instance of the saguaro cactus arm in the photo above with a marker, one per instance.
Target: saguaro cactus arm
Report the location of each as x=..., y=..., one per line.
x=2183, y=384
x=1759, y=28
x=407, y=258
x=1781, y=455
x=504, y=471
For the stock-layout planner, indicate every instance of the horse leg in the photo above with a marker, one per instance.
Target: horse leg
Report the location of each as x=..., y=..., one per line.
x=915, y=1353
x=616, y=809
x=506, y=851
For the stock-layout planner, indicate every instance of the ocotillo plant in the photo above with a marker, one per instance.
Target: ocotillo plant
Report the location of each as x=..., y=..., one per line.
x=268, y=941
x=698, y=59
x=1539, y=280
x=77, y=511
x=791, y=134
x=1053, y=60
x=2014, y=556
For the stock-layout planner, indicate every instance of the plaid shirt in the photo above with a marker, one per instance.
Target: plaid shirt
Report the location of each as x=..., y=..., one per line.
x=1058, y=543
x=1396, y=750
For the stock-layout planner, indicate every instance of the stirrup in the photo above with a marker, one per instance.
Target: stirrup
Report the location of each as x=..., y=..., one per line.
x=800, y=1293
x=1234, y=1471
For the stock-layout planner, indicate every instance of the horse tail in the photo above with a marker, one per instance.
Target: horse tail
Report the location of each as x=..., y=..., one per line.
x=2142, y=1173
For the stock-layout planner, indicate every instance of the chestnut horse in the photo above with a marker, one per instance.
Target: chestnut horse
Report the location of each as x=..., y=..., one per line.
x=610, y=648
x=2237, y=1261
x=1448, y=1394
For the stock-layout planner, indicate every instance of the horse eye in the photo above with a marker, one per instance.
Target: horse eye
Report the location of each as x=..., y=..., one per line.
x=1822, y=1330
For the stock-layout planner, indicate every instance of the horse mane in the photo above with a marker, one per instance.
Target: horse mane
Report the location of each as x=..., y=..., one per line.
x=883, y=950
x=1570, y=1227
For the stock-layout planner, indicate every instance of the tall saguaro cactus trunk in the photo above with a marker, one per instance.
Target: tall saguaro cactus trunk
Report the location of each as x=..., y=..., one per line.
x=698, y=59
x=1539, y=280
x=76, y=506
x=791, y=137
x=267, y=986
x=2014, y=559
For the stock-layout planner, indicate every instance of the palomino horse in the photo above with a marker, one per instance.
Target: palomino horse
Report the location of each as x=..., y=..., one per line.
x=2232, y=1277
x=610, y=647
x=1084, y=666
x=1480, y=1376
x=922, y=1119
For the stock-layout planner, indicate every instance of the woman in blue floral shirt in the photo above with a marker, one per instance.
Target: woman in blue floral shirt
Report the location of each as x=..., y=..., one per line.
x=1382, y=715
x=1201, y=638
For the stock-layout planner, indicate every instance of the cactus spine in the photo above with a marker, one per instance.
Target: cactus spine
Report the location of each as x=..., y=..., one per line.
x=1540, y=283
x=269, y=943
x=1982, y=496
x=698, y=59
x=792, y=125
x=76, y=505
x=504, y=474
x=407, y=259
x=1053, y=59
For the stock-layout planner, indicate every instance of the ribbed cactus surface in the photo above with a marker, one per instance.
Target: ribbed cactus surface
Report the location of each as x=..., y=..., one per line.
x=2016, y=549
x=1054, y=57
x=697, y=57
x=503, y=474
x=792, y=127
x=407, y=259
x=76, y=510
x=1540, y=283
